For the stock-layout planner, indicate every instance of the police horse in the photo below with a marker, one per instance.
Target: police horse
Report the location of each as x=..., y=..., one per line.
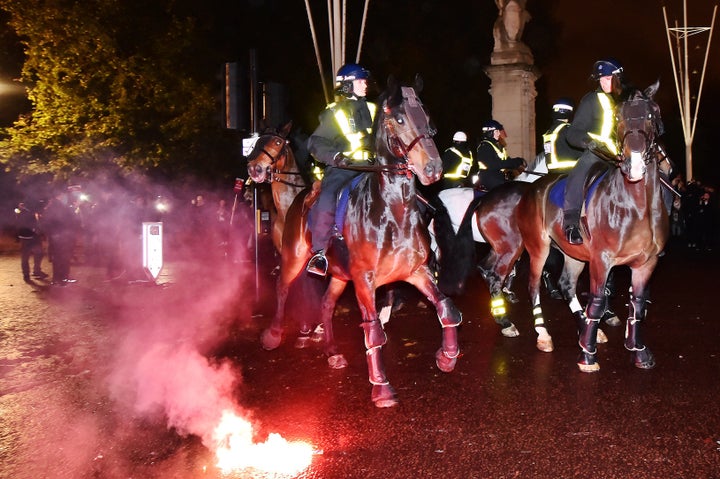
x=272, y=160
x=383, y=240
x=625, y=223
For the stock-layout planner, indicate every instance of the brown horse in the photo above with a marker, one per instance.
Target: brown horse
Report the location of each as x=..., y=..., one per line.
x=272, y=160
x=383, y=240
x=626, y=223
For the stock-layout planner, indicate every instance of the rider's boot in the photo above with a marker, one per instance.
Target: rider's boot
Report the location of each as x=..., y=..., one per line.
x=571, y=225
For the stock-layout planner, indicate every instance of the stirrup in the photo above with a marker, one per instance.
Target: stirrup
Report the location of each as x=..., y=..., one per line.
x=318, y=264
x=572, y=234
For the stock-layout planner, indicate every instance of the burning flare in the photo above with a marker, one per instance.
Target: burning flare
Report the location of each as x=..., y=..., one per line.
x=235, y=449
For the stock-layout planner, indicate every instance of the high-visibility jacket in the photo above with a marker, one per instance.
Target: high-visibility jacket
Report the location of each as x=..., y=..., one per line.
x=354, y=135
x=463, y=167
x=594, y=121
x=606, y=135
x=559, y=155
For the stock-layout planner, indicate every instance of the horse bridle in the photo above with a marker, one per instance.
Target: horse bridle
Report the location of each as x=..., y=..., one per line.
x=636, y=130
x=416, y=116
x=273, y=173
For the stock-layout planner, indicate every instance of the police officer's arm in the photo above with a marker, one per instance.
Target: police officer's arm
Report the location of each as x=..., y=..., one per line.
x=326, y=142
x=582, y=123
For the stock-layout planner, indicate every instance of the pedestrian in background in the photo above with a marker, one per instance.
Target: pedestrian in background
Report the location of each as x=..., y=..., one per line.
x=62, y=226
x=30, y=237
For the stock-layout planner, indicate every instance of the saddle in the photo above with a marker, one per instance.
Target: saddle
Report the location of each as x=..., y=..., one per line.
x=596, y=173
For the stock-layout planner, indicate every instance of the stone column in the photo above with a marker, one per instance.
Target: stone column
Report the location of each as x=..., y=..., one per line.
x=512, y=79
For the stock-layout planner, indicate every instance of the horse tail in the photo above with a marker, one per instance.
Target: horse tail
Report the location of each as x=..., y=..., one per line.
x=457, y=259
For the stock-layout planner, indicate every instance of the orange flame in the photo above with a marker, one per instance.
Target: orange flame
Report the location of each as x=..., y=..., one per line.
x=236, y=449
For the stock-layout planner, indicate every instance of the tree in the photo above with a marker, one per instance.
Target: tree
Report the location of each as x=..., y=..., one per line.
x=122, y=84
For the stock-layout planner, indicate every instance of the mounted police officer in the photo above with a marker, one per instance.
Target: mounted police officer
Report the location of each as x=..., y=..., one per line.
x=457, y=163
x=592, y=130
x=560, y=155
x=492, y=158
x=343, y=138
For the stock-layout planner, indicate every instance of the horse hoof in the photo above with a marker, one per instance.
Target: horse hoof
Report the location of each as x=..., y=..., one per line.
x=318, y=334
x=383, y=395
x=644, y=359
x=270, y=339
x=510, y=331
x=589, y=368
x=302, y=342
x=587, y=363
x=601, y=338
x=444, y=363
x=337, y=361
x=612, y=319
x=545, y=345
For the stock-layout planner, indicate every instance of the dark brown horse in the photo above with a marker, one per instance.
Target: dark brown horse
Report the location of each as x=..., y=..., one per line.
x=383, y=240
x=626, y=223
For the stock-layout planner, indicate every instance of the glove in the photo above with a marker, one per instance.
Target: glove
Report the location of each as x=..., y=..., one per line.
x=341, y=160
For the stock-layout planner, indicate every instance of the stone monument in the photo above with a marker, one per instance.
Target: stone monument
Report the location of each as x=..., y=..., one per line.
x=512, y=79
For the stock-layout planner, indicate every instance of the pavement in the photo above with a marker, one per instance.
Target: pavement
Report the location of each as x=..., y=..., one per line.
x=111, y=379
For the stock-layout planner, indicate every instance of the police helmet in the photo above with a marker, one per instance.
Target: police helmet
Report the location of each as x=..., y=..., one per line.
x=490, y=126
x=347, y=74
x=607, y=67
x=562, y=109
x=460, y=136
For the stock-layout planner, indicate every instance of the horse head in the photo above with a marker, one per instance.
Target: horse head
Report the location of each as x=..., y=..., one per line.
x=269, y=153
x=639, y=125
x=404, y=133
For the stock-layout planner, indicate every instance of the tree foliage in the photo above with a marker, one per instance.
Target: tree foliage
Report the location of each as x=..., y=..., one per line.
x=112, y=83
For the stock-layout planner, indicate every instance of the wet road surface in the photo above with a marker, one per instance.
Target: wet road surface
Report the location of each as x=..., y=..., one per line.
x=100, y=380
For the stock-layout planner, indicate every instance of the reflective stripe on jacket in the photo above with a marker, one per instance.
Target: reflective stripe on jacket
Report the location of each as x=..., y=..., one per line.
x=550, y=146
x=463, y=168
x=354, y=136
x=605, y=136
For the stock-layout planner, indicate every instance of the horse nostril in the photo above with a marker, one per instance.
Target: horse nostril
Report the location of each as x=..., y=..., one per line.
x=432, y=171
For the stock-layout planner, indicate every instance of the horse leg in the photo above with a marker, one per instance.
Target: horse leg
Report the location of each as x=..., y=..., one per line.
x=494, y=272
x=609, y=317
x=448, y=314
x=568, y=285
x=333, y=292
x=383, y=394
x=272, y=336
x=642, y=356
x=544, y=341
x=587, y=361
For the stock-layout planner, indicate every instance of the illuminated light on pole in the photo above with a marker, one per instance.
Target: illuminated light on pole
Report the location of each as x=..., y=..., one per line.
x=681, y=71
x=235, y=450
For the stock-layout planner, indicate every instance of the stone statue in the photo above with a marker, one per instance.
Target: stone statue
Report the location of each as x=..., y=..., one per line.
x=508, y=30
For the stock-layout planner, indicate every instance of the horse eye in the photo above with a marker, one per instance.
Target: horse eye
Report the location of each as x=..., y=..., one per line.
x=400, y=120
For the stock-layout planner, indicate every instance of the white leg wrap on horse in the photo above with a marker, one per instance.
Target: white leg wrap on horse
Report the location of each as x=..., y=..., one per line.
x=575, y=305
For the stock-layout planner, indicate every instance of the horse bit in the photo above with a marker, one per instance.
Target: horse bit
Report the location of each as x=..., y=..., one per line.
x=273, y=173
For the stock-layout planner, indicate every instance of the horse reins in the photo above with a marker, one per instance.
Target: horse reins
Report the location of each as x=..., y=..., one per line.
x=274, y=172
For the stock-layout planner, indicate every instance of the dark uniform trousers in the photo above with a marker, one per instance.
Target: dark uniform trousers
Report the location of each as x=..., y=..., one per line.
x=322, y=215
x=575, y=186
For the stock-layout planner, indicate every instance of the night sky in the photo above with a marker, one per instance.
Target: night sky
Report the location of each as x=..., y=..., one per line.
x=449, y=43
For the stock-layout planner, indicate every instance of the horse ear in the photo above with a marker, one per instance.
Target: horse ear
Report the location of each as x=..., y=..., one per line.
x=392, y=84
x=393, y=91
x=652, y=89
x=418, y=84
x=285, y=130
